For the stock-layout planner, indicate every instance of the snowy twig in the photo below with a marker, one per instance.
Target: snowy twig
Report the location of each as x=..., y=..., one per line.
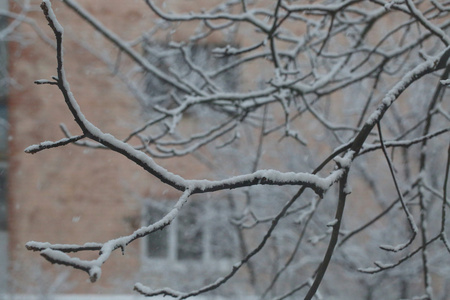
x=48, y=144
x=38, y=246
x=383, y=266
x=427, y=24
x=56, y=253
x=334, y=235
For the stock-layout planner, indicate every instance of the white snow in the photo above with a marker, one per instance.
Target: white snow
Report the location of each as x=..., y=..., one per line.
x=95, y=273
x=393, y=248
x=52, y=16
x=43, y=81
x=37, y=146
x=142, y=288
x=347, y=189
x=369, y=270
x=332, y=223
x=401, y=85
x=382, y=265
x=346, y=160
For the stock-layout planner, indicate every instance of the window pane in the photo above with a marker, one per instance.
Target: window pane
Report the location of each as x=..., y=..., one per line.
x=222, y=242
x=157, y=242
x=200, y=232
x=172, y=61
x=223, y=234
x=190, y=234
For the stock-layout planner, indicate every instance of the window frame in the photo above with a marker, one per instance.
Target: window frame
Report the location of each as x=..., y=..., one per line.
x=171, y=60
x=172, y=258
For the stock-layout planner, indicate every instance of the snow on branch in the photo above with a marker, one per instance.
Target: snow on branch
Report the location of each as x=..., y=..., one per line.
x=379, y=266
x=49, y=144
x=39, y=246
x=56, y=253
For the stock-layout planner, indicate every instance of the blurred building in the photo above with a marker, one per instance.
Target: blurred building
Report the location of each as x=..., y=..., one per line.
x=77, y=195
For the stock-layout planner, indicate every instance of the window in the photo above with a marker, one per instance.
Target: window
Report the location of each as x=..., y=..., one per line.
x=186, y=65
x=201, y=232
